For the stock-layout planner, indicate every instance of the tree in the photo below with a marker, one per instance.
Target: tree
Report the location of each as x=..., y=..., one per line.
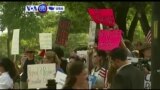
x=14, y=17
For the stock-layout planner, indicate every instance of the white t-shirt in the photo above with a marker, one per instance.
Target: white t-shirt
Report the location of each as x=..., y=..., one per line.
x=6, y=81
x=99, y=79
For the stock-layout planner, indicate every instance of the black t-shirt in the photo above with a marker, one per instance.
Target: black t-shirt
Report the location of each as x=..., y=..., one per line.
x=63, y=65
x=24, y=75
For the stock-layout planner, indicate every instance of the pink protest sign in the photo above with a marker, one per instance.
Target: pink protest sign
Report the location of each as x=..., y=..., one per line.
x=104, y=16
x=109, y=39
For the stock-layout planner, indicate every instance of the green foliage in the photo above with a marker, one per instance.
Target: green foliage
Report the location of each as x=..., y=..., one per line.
x=31, y=24
x=3, y=44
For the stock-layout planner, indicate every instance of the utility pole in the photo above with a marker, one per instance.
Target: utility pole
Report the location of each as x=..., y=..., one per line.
x=155, y=66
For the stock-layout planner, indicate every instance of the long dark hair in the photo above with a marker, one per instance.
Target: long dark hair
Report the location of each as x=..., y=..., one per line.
x=75, y=69
x=9, y=67
x=104, y=62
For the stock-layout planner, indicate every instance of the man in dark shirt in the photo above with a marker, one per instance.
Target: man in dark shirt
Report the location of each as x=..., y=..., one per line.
x=29, y=60
x=127, y=76
x=60, y=53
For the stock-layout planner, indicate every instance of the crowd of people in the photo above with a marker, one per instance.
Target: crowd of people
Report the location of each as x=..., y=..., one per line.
x=99, y=70
x=112, y=70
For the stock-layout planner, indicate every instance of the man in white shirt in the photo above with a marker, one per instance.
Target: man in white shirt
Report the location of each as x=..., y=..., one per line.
x=5, y=81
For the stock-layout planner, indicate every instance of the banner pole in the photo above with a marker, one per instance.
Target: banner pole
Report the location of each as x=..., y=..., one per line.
x=101, y=26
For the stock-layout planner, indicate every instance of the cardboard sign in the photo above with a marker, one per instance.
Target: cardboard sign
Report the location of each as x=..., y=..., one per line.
x=104, y=16
x=92, y=31
x=63, y=31
x=39, y=74
x=45, y=40
x=60, y=79
x=15, y=42
x=109, y=39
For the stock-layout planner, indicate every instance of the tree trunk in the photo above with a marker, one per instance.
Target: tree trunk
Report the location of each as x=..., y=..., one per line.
x=121, y=16
x=144, y=22
x=132, y=27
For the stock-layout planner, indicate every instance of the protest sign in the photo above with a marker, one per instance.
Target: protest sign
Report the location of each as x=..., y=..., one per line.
x=147, y=82
x=132, y=59
x=104, y=16
x=60, y=79
x=92, y=31
x=45, y=40
x=109, y=39
x=39, y=74
x=63, y=31
x=15, y=42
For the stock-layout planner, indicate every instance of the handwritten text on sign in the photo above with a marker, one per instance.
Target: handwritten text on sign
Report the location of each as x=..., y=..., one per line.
x=104, y=16
x=109, y=39
x=60, y=79
x=15, y=42
x=45, y=40
x=39, y=74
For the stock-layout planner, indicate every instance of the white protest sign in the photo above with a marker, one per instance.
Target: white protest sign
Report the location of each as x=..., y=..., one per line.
x=133, y=59
x=60, y=79
x=45, y=40
x=15, y=42
x=39, y=74
x=92, y=31
x=82, y=53
x=147, y=82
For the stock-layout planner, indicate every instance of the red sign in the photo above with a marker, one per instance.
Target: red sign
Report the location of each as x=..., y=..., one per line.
x=63, y=31
x=109, y=39
x=103, y=16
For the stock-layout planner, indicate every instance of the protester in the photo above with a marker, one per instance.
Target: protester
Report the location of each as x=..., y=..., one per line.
x=138, y=45
x=8, y=73
x=145, y=51
x=100, y=68
x=77, y=76
x=73, y=59
x=128, y=45
x=29, y=60
x=145, y=64
x=60, y=53
x=112, y=70
x=51, y=57
x=90, y=56
x=127, y=76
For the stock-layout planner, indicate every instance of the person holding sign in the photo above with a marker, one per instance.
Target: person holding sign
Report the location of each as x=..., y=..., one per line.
x=60, y=53
x=100, y=68
x=77, y=76
x=8, y=73
x=51, y=57
x=29, y=60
